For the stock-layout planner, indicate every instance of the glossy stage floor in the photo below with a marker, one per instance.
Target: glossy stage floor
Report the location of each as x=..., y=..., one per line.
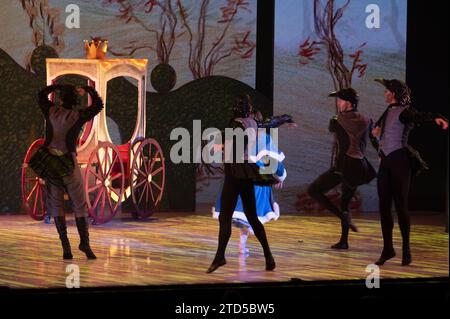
x=177, y=248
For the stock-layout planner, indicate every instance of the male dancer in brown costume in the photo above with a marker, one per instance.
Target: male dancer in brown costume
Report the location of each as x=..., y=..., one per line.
x=351, y=168
x=63, y=125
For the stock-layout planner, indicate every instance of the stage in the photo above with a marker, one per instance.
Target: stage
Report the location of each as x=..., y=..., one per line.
x=177, y=248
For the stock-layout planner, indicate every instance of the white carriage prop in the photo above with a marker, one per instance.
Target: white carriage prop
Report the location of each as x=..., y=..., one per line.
x=112, y=173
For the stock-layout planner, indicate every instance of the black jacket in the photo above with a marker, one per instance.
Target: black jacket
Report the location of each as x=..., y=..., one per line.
x=233, y=166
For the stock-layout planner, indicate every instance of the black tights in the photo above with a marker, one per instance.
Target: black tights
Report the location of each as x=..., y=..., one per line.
x=325, y=183
x=232, y=188
x=394, y=179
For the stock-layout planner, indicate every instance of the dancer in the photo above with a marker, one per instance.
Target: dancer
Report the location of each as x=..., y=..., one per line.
x=56, y=160
x=399, y=162
x=266, y=207
x=239, y=181
x=351, y=167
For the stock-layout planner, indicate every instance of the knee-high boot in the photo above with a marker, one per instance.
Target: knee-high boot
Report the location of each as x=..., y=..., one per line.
x=83, y=226
x=60, y=223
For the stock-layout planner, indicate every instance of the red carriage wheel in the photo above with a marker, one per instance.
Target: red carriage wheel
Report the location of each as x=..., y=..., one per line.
x=133, y=149
x=33, y=187
x=104, y=182
x=147, y=177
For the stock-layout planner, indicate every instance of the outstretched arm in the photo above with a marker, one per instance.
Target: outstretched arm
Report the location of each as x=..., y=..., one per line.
x=44, y=103
x=276, y=121
x=96, y=106
x=412, y=116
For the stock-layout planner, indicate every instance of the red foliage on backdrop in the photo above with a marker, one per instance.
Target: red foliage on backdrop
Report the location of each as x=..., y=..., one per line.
x=174, y=22
x=308, y=50
x=326, y=16
x=203, y=62
x=357, y=61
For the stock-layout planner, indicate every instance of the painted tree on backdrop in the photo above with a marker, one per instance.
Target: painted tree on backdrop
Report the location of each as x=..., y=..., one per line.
x=326, y=17
x=47, y=31
x=177, y=20
x=174, y=19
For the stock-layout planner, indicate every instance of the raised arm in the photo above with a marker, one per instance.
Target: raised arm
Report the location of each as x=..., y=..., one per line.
x=96, y=106
x=44, y=103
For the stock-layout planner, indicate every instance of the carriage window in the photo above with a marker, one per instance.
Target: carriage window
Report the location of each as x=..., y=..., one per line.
x=121, y=108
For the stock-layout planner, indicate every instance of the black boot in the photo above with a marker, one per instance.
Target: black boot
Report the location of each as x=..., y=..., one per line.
x=405, y=230
x=340, y=245
x=60, y=223
x=270, y=263
x=343, y=242
x=385, y=256
x=84, y=246
x=218, y=262
x=406, y=258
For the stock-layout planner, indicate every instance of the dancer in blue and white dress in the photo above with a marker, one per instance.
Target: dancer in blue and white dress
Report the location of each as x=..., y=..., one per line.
x=266, y=207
